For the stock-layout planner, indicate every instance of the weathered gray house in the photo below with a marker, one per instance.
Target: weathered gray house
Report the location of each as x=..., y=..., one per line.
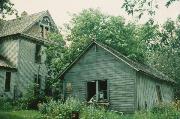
x=22, y=56
x=103, y=75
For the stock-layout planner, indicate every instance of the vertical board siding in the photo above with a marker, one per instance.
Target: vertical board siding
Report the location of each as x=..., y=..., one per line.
x=100, y=65
x=9, y=49
x=146, y=91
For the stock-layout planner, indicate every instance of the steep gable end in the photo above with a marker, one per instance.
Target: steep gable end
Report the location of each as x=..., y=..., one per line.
x=22, y=24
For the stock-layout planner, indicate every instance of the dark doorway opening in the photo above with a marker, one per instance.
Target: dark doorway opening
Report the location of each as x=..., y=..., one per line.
x=91, y=90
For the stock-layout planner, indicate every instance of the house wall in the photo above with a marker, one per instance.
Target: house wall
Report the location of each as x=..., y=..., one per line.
x=2, y=83
x=9, y=49
x=27, y=68
x=101, y=65
x=146, y=91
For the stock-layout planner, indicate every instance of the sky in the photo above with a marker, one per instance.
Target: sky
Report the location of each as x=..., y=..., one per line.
x=60, y=10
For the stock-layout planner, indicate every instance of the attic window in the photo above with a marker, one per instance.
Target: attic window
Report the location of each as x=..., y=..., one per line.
x=8, y=81
x=97, y=91
x=159, y=95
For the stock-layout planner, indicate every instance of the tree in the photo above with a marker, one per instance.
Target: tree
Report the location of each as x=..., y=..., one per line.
x=6, y=8
x=140, y=7
x=55, y=63
x=165, y=51
x=92, y=24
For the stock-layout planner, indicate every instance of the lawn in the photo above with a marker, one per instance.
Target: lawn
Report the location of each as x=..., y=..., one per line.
x=23, y=114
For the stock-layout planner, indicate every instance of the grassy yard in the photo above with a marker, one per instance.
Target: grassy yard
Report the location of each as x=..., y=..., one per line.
x=24, y=114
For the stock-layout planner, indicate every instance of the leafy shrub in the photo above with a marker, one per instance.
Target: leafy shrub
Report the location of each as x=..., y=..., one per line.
x=60, y=110
x=161, y=111
x=63, y=110
x=6, y=104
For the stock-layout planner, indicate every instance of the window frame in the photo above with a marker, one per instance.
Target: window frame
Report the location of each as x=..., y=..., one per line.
x=159, y=93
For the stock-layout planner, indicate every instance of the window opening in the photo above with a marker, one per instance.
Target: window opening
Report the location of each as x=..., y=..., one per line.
x=38, y=53
x=159, y=95
x=97, y=91
x=8, y=81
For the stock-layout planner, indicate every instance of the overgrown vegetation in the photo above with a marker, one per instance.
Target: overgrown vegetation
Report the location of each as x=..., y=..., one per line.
x=63, y=110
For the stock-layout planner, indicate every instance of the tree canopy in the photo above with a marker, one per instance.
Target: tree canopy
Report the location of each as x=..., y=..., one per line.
x=6, y=8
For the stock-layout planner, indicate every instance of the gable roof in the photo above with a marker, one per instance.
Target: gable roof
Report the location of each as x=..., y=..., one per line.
x=21, y=24
x=135, y=65
x=4, y=63
x=18, y=25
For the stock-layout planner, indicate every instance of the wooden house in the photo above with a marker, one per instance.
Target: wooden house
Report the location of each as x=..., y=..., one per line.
x=22, y=52
x=102, y=75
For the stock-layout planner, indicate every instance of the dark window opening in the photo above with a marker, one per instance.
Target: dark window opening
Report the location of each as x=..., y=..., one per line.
x=42, y=30
x=97, y=91
x=159, y=95
x=145, y=105
x=91, y=90
x=8, y=81
x=46, y=32
x=37, y=84
x=38, y=54
x=102, y=90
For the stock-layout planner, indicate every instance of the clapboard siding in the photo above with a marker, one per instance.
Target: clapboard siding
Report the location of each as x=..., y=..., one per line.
x=146, y=91
x=27, y=68
x=9, y=49
x=100, y=65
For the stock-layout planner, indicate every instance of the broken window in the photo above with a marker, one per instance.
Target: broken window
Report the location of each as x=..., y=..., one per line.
x=8, y=81
x=97, y=91
x=159, y=95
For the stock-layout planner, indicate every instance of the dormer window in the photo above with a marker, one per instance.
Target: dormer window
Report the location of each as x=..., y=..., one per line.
x=45, y=27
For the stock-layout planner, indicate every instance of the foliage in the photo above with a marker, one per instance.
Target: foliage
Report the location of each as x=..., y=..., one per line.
x=56, y=61
x=6, y=8
x=141, y=7
x=60, y=110
x=6, y=104
x=162, y=111
x=93, y=25
x=164, y=50
x=63, y=110
x=23, y=114
x=30, y=100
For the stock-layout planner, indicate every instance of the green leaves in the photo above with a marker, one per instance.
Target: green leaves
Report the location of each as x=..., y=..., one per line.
x=92, y=24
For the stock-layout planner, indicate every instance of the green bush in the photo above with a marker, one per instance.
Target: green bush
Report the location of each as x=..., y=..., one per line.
x=6, y=104
x=63, y=110
x=161, y=111
x=60, y=110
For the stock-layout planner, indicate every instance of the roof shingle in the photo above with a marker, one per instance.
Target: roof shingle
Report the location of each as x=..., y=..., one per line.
x=18, y=25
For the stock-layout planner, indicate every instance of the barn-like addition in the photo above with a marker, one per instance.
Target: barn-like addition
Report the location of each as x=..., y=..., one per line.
x=103, y=75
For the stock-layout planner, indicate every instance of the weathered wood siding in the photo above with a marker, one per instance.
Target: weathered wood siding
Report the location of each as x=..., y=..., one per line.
x=101, y=65
x=27, y=68
x=9, y=49
x=146, y=91
x=2, y=84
